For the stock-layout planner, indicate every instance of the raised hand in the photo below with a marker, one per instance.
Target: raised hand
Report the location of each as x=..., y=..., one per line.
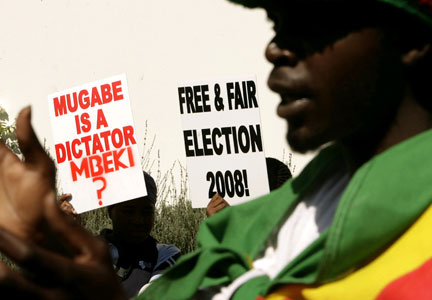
x=67, y=207
x=25, y=185
x=216, y=204
x=59, y=258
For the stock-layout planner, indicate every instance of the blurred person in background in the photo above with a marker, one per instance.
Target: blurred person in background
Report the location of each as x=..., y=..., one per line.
x=137, y=257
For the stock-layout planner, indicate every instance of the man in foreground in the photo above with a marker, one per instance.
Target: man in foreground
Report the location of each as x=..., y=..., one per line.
x=356, y=223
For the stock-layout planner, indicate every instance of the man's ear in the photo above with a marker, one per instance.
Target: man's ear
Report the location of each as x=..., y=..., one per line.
x=413, y=56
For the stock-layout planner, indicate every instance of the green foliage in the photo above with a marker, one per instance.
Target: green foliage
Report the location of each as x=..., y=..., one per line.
x=7, y=132
x=8, y=137
x=177, y=222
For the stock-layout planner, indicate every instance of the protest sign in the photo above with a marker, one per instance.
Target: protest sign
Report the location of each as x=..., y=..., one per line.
x=95, y=144
x=222, y=140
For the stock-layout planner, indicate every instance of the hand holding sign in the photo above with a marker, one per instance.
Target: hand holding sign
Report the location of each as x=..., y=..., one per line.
x=216, y=204
x=67, y=208
x=25, y=186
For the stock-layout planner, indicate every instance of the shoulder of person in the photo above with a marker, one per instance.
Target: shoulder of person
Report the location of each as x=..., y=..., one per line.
x=167, y=256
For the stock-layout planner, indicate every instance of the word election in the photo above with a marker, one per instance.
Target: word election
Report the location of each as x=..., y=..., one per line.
x=84, y=98
x=210, y=141
x=196, y=99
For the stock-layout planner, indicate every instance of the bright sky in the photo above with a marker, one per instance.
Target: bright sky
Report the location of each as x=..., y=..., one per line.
x=51, y=45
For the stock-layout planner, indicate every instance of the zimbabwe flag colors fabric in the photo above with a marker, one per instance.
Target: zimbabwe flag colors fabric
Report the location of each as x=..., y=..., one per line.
x=379, y=240
x=403, y=271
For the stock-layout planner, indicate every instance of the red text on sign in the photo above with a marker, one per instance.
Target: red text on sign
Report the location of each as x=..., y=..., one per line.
x=97, y=165
x=95, y=143
x=84, y=99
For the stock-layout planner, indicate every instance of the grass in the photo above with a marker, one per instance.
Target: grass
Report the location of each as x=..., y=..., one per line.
x=177, y=222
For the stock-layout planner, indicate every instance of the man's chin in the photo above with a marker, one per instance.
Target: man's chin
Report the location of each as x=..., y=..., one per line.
x=302, y=144
x=136, y=239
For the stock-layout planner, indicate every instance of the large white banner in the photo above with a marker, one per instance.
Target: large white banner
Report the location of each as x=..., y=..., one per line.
x=95, y=144
x=222, y=140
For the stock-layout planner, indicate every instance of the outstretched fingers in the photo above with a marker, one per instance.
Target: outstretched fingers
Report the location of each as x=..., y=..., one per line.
x=15, y=284
x=35, y=260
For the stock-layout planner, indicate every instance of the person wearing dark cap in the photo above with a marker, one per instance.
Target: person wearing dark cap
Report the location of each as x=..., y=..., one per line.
x=137, y=257
x=355, y=224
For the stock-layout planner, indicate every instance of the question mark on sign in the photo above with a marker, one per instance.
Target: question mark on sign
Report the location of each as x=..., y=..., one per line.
x=99, y=191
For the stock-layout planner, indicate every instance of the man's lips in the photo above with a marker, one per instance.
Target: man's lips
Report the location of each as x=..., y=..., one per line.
x=294, y=110
x=292, y=86
x=287, y=82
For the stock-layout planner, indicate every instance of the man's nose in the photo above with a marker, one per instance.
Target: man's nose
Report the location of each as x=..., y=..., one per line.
x=138, y=219
x=280, y=56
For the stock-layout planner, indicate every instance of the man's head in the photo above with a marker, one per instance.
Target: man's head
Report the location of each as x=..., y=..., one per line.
x=133, y=220
x=342, y=68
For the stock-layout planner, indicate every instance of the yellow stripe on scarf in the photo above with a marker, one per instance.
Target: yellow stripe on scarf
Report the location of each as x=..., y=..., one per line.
x=406, y=254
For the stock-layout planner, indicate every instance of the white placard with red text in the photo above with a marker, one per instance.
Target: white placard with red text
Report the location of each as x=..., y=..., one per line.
x=95, y=144
x=222, y=140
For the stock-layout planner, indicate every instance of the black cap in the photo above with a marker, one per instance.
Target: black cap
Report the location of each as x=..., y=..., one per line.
x=419, y=9
x=277, y=173
x=151, y=187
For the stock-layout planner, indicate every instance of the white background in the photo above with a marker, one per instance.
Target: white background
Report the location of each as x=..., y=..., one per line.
x=50, y=45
